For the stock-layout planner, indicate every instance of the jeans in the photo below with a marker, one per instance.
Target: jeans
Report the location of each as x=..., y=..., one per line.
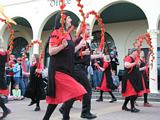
x=25, y=79
x=10, y=80
x=97, y=77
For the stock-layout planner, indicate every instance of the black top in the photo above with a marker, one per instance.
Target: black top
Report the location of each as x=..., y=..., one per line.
x=144, y=74
x=3, y=60
x=99, y=61
x=63, y=62
x=84, y=60
x=114, y=63
x=35, y=88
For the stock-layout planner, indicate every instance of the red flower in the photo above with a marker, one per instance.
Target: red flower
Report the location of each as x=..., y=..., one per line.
x=80, y=11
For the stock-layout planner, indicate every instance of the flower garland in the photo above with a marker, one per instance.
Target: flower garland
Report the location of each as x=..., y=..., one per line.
x=101, y=24
x=11, y=35
x=149, y=42
x=138, y=44
x=83, y=24
x=8, y=21
x=63, y=16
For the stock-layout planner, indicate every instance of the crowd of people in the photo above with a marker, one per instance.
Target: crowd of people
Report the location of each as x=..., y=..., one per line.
x=70, y=65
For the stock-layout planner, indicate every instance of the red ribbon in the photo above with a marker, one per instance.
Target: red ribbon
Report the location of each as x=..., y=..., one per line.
x=100, y=23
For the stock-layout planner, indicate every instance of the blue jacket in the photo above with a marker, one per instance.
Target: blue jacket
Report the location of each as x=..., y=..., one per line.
x=16, y=70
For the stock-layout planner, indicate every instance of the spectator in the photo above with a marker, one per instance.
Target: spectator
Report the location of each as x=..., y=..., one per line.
x=115, y=79
x=25, y=71
x=114, y=61
x=17, y=93
x=9, y=72
x=97, y=73
x=17, y=69
x=115, y=51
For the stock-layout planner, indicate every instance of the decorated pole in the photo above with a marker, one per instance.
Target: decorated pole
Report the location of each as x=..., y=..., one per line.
x=8, y=21
x=138, y=44
x=101, y=25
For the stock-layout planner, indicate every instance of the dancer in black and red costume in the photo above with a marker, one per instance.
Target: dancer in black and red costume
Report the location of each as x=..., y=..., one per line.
x=145, y=78
x=3, y=84
x=61, y=86
x=106, y=84
x=35, y=89
x=131, y=83
x=82, y=61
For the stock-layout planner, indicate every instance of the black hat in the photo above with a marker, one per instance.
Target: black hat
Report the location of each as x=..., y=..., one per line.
x=57, y=23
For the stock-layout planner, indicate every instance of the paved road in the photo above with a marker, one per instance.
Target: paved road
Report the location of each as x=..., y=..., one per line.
x=104, y=111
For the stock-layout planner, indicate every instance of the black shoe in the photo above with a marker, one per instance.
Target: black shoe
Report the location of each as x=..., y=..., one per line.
x=99, y=100
x=61, y=110
x=135, y=110
x=5, y=113
x=88, y=116
x=113, y=100
x=125, y=108
x=32, y=103
x=37, y=109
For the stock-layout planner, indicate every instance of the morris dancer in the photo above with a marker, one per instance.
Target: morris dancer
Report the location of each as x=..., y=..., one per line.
x=61, y=86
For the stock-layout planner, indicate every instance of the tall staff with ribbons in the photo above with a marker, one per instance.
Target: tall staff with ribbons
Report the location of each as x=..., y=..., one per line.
x=3, y=59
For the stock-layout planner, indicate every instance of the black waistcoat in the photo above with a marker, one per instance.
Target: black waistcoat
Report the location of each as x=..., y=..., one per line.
x=133, y=76
x=63, y=62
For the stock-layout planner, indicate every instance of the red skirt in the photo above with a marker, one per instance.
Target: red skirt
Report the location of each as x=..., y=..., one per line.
x=103, y=86
x=66, y=89
x=130, y=91
x=145, y=90
x=4, y=92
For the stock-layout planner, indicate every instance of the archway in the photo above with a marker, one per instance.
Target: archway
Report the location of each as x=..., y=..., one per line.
x=23, y=30
x=124, y=21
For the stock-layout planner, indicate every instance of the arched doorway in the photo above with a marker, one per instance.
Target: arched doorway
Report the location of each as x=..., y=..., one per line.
x=19, y=46
x=125, y=21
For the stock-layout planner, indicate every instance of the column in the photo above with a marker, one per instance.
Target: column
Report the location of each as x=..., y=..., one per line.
x=153, y=74
x=36, y=36
x=35, y=48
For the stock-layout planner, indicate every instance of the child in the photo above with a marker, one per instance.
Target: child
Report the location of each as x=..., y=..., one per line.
x=16, y=92
x=115, y=79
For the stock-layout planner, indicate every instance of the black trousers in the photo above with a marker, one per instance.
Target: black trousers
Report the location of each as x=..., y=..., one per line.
x=132, y=100
x=81, y=76
x=2, y=105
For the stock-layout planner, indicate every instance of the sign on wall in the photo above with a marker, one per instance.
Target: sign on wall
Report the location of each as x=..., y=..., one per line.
x=57, y=3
